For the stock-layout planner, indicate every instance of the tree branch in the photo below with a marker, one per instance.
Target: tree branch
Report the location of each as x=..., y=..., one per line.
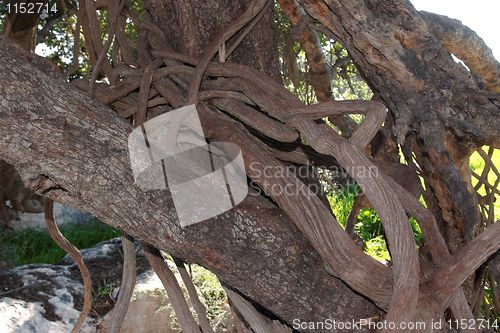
x=464, y=263
x=127, y=285
x=48, y=127
x=193, y=296
x=174, y=291
x=466, y=45
x=320, y=74
x=257, y=321
x=75, y=254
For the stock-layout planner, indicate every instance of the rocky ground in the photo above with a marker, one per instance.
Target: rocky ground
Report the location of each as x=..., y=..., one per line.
x=45, y=298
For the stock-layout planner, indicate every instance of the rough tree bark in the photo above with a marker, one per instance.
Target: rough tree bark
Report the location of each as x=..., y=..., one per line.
x=439, y=109
x=433, y=100
x=74, y=150
x=20, y=28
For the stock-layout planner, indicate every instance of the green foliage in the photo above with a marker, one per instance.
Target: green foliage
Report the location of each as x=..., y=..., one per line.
x=103, y=291
x=56, y=44
x=28, y=246
x=347, y=82
x=368, y=224
x=341, y=203
x=56, y=36
x=211, y=291
x=488, y=309
x=377, y=248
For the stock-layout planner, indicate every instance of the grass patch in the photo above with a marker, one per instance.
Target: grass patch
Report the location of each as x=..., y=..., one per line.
x=30, y=246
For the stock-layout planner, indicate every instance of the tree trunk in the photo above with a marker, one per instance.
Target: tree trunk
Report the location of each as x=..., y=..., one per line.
x=190, y=26
x=74, y=150
x=286, y=254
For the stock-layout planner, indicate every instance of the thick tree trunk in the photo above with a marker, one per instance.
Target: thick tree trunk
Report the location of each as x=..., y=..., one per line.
x=74, y=150
x=191, y=25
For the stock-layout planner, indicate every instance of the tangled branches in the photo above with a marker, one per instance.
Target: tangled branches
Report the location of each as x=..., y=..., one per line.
x=240, y=104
